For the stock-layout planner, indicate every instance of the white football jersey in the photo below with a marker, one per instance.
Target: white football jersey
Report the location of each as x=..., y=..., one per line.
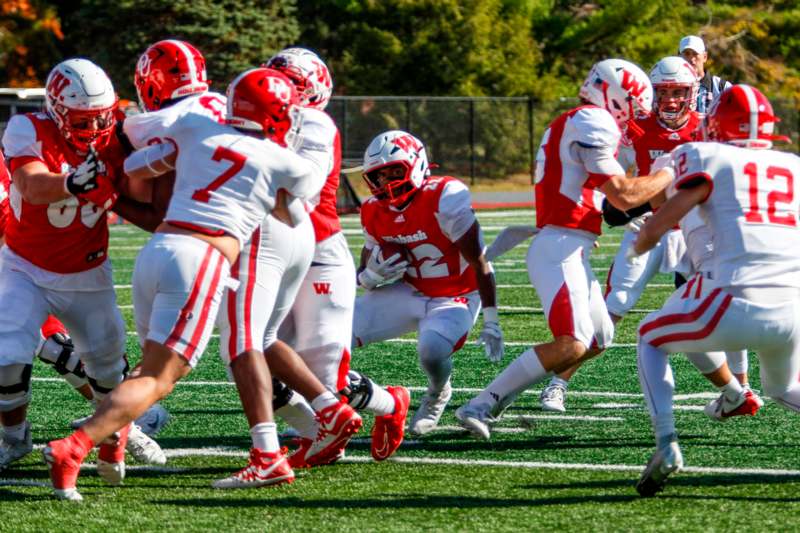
x=752, y=211
x=576, y=156
x=226, y=181
x=149, y=128
x=315, y=141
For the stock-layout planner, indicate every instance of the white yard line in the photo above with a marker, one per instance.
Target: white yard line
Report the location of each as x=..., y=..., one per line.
x=575, y=418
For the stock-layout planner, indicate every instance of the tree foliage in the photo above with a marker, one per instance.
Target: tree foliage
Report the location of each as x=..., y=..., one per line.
x=234, y=35
x=30, y=32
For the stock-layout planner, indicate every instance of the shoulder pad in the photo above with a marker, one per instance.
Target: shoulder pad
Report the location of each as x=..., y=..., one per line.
x=594, y=128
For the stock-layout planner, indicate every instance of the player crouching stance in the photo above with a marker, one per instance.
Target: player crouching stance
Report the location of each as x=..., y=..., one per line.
x=423, y=229
x=227, y=181
x=752, y=298
x=575, y=163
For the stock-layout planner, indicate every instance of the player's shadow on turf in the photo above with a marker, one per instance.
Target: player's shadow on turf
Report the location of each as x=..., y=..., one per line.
x=10, y=495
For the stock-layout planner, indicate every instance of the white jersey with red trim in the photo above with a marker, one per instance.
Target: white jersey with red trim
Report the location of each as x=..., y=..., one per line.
x=575, y=158
x=752, y=211
x=149, y=128
x=319, y=140
x=5, y=182
x=226, y=182
x=439, y=214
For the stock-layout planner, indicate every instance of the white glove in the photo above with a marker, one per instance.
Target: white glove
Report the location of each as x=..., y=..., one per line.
x=491, y=335
x=379, y=272
x=636, y=224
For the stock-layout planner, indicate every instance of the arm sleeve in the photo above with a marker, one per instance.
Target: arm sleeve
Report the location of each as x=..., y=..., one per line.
x=595, y=144
x=455, y=214
x=689, y=166
x=142, y=128
x=299, y=176
x=316, y=141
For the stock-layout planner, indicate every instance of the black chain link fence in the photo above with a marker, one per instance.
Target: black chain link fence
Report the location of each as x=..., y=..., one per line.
x=476, y=139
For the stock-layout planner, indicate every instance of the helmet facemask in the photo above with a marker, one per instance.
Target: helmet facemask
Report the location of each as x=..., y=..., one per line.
x=673, y=102
x=391, y=183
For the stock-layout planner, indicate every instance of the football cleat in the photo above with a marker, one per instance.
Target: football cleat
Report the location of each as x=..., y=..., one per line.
x=15, y=449
x=721, y=409
x=111, y=457
x=476, y=419
x=552, y=398
x=665, y=461
x=297, y=459
x=430, y=411
x=263, y=469
x=143, y=448
x=63, y=460
x=153, y=420
x=337, y=425
x=387, y=433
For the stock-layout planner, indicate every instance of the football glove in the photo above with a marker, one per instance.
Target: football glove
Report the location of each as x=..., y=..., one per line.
x=636, y=224
x=491, y=336
x=84, y=178
x=379, y=272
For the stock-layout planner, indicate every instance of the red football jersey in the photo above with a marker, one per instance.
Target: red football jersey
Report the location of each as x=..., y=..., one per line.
x=324, y=216
x=67, y=236
x=436, y=266
x=5, y=182
x=655, y=139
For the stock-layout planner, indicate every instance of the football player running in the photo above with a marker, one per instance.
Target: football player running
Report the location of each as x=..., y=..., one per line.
x=319, y=326
x=575, y=167
x=744, y=191
x=445, y=276
x=55, y=256
x=227, y=181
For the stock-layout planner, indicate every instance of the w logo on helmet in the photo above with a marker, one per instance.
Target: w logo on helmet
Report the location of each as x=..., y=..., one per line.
x=631, y=85
x=280, y=89
x=57, y=84
x=407, y=143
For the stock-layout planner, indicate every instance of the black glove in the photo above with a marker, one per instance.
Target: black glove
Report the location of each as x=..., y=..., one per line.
x=617, y=217
x=84, y=178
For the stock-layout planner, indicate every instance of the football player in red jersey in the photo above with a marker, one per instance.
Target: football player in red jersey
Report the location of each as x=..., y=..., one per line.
x=575, y=168
x=319, y=326
x=55, y=257
x=445, y=276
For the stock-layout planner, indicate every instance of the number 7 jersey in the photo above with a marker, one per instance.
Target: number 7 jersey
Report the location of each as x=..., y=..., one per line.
x=752, y=211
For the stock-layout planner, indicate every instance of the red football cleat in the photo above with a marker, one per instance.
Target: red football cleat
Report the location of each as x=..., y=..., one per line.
x=337, y=425
x=297, y=459
x=387, y=434
x=263, y=469
x=721, y=409
x=64, y=458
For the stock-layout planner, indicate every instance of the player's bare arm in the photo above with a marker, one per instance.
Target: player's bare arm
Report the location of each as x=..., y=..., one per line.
x=626, y=193
x=38, y=185
x=669, y=214
x=471, y=250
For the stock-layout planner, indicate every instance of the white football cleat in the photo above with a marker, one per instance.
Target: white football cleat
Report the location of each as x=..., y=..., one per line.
x=263, y=469
x=552, y=398
x=15, y=449
x=430, y=411
x=68, y=494
x=665, y=461
x=143, y=448
x=476, y=419
x=721, y=409
x=112, y=473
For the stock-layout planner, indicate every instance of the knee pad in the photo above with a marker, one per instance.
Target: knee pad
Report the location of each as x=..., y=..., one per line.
x=15, y=386
x=59, y=352
x=706, y=362
x=737, y=361
x=105, y=371
x=281, y=394
x=432, y=347
x=358, y=390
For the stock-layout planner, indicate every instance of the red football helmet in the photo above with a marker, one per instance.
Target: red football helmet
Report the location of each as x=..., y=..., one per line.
x=80, y=99
x=263, y=100
x=742, y=116
x=167, y=70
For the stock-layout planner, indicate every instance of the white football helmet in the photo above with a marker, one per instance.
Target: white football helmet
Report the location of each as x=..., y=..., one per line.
x=396, y=148
x=620, y=87
x=309, y=73
x=674, y=73
x=80, y=99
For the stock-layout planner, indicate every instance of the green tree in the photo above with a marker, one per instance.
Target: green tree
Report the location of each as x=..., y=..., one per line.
x=30, y=36
x=233, y=35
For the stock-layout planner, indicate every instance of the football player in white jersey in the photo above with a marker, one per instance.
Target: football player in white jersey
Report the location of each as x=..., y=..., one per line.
x=319, y=326
x=227, y=181
x=575, y=167
x=746, y=195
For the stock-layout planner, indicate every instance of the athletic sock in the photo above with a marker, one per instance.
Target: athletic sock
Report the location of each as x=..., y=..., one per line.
x=381, y=403
x=732, y=390
x=523, y=372
x=265, y=437
x=326, y=399
x=299, y=414
x=563, y=383
x=16, y=432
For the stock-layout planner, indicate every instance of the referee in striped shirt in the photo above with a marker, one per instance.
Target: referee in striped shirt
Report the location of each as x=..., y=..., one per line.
x=693, y=50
